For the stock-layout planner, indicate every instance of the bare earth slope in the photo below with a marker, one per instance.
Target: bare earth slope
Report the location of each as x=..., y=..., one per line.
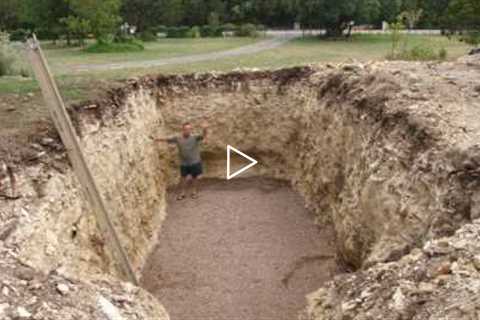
x=439, y=281
x=26, y=293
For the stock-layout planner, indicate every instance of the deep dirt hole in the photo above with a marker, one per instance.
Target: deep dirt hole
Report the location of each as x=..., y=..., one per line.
x=388, y=166
x=247, y=249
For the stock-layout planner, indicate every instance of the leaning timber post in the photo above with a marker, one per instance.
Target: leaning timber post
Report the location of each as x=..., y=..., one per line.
x=67, y=132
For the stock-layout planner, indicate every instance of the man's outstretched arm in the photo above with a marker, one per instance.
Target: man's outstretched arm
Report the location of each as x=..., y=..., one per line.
x=204, y=131
x=166, y=140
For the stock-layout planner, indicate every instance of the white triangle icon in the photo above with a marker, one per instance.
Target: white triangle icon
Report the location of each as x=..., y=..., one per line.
x=253, y=162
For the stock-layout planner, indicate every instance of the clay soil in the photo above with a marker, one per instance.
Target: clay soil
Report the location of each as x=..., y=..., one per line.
x=246, y=250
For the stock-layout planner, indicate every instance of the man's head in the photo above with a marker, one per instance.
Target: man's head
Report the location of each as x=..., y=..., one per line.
x=187, y=129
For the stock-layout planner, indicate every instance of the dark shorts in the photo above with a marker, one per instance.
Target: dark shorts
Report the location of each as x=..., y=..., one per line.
x=193, y=170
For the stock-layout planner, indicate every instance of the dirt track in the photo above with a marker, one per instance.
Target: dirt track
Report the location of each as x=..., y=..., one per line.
x=246, y=250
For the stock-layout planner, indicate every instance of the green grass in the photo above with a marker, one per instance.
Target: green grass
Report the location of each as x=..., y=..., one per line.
x=61, y=59
x=311, y=50
x=300, y=51
x=17, y=85
x=102, y=47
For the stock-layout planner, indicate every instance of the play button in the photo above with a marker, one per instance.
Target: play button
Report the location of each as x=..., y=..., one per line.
x=230, y=175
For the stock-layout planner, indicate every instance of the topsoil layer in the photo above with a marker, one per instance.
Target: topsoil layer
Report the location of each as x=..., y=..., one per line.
x=246, y=249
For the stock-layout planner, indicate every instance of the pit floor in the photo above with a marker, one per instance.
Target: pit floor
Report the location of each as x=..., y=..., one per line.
x=247, y=249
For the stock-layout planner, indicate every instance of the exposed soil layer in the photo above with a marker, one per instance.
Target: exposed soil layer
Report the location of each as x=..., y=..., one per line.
x=247, y=249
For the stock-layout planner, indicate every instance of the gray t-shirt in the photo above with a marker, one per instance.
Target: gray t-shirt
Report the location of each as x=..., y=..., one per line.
x=188, y=148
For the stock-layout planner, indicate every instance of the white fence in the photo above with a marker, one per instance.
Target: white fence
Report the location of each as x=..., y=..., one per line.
x=298, y=33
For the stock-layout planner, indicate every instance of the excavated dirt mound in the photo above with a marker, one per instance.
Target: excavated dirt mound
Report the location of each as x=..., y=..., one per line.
x=247, y=249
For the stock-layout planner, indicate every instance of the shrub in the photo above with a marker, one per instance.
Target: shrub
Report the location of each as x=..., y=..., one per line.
x=420, y=53
x=229, y=27
x=148, y=35
x=115, y=46
x=194, y=32
x=399, y=40
x=10, y=64
x=19, y=35
x=472, y=38
x=47, y=34
x=442, y=54
x=178, y=32
x=123, y=37
x=246, y=30
x=6, y=63
x=210, y=31
x=171, y=32
x=183, y=32
x=77, y=28
x=261, y=27
x=159, y=29
x=213, y=19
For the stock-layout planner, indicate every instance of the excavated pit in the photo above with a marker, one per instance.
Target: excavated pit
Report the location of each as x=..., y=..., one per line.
x=382, y=158
x=246, y=249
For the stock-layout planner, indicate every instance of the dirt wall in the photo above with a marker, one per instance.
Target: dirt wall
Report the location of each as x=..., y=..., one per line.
x=354, y=141
x=370, y=152
x=59, y=229
x=129, y=171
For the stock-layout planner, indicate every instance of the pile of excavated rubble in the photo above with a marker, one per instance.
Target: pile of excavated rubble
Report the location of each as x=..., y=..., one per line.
x=440, y=280
x=26, y=293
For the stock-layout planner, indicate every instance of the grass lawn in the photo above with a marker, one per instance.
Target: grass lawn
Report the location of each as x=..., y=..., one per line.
x=312, y=50
x=299, y=51
x=60, y=59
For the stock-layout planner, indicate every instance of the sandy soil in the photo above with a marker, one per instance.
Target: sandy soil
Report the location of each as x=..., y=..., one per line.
x=247, y=249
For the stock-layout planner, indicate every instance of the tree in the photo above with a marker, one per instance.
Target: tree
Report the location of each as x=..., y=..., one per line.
x=138, y=13
x=309, y=13
x=78, y=28
x=398, y=39
x=334, y=16
x=103, y=16
x=242, y=12
x=411, y=16
x=44, y=16
x=434, y=13
x=195, y=12
x=368, y=11
x=170, y=12
x=9, y=14
x=464, y=15
x=389, y=10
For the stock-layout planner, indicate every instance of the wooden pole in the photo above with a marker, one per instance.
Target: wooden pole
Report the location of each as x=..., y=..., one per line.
x=67, y=132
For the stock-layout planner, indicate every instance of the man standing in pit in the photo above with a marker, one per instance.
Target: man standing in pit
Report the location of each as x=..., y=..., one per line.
x=191, y=167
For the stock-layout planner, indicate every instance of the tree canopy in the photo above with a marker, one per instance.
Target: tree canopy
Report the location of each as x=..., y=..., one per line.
x=103, y=17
